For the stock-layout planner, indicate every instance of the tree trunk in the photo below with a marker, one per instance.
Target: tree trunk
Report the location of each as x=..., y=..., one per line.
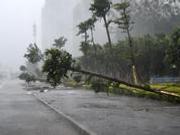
x=126, y=83
x=85, y=37
x=133, y=66
x=107, y=31
x=92, y=40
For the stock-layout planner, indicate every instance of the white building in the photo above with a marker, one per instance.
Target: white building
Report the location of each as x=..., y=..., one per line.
x=57, y=20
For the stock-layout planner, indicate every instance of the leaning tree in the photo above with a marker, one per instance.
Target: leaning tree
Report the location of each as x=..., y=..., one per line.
x=58, y=62
x=124, y=22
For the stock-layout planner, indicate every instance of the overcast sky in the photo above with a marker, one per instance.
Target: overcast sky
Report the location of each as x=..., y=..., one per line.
x=16, y=20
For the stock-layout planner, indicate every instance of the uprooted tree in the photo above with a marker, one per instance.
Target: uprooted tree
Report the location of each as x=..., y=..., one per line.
x=58, y=62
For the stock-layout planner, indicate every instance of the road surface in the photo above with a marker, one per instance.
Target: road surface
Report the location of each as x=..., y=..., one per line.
x=22, y=114
x=116, y=115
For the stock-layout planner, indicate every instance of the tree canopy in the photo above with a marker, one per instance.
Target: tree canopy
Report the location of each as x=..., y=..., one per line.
x=173, y=52
x=60, y=42
x=33, y=54
x=56, y=65
x=100, y=8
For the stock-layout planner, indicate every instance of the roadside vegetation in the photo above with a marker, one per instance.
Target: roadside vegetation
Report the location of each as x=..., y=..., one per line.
x=168, y=87
x=124, y=67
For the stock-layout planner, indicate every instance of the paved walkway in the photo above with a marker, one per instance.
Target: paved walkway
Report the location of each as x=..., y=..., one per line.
x=22, y=114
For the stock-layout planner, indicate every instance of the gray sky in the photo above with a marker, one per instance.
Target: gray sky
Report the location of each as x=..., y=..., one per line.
x=16, y=20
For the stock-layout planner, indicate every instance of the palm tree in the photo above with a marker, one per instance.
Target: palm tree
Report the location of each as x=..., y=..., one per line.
x=124, y=23
x=85, y=46
x=100, y=9
x=60, y=42
x=83, y=28
x=33, y=54
x=91, y=25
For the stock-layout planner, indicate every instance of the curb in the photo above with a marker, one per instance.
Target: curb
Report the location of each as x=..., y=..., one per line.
x=80, y=128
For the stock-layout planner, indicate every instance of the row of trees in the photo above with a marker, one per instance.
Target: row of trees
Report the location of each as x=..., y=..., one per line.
x=57, y=62
x=102, y=9
x=132, y=59
x=155, y=56
x=151, y=55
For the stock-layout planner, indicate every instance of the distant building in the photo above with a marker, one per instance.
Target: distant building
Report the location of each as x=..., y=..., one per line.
x=80, y=13
x=61, y=17
x=57, y=20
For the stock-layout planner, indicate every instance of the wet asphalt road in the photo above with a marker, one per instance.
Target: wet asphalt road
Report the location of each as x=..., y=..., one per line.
x=22, y=114
x=116, y=115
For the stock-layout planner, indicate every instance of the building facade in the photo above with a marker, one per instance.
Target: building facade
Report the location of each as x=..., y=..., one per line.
x=57, y=21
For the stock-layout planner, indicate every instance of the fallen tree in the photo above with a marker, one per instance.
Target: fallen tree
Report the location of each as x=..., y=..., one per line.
x=125, y=83
x=58, y=62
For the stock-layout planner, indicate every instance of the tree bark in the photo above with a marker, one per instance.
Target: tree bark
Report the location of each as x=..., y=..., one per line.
x=125, y=83
x=92, y=40
x=107, y=31
x=85, y=37
x=133, y=64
